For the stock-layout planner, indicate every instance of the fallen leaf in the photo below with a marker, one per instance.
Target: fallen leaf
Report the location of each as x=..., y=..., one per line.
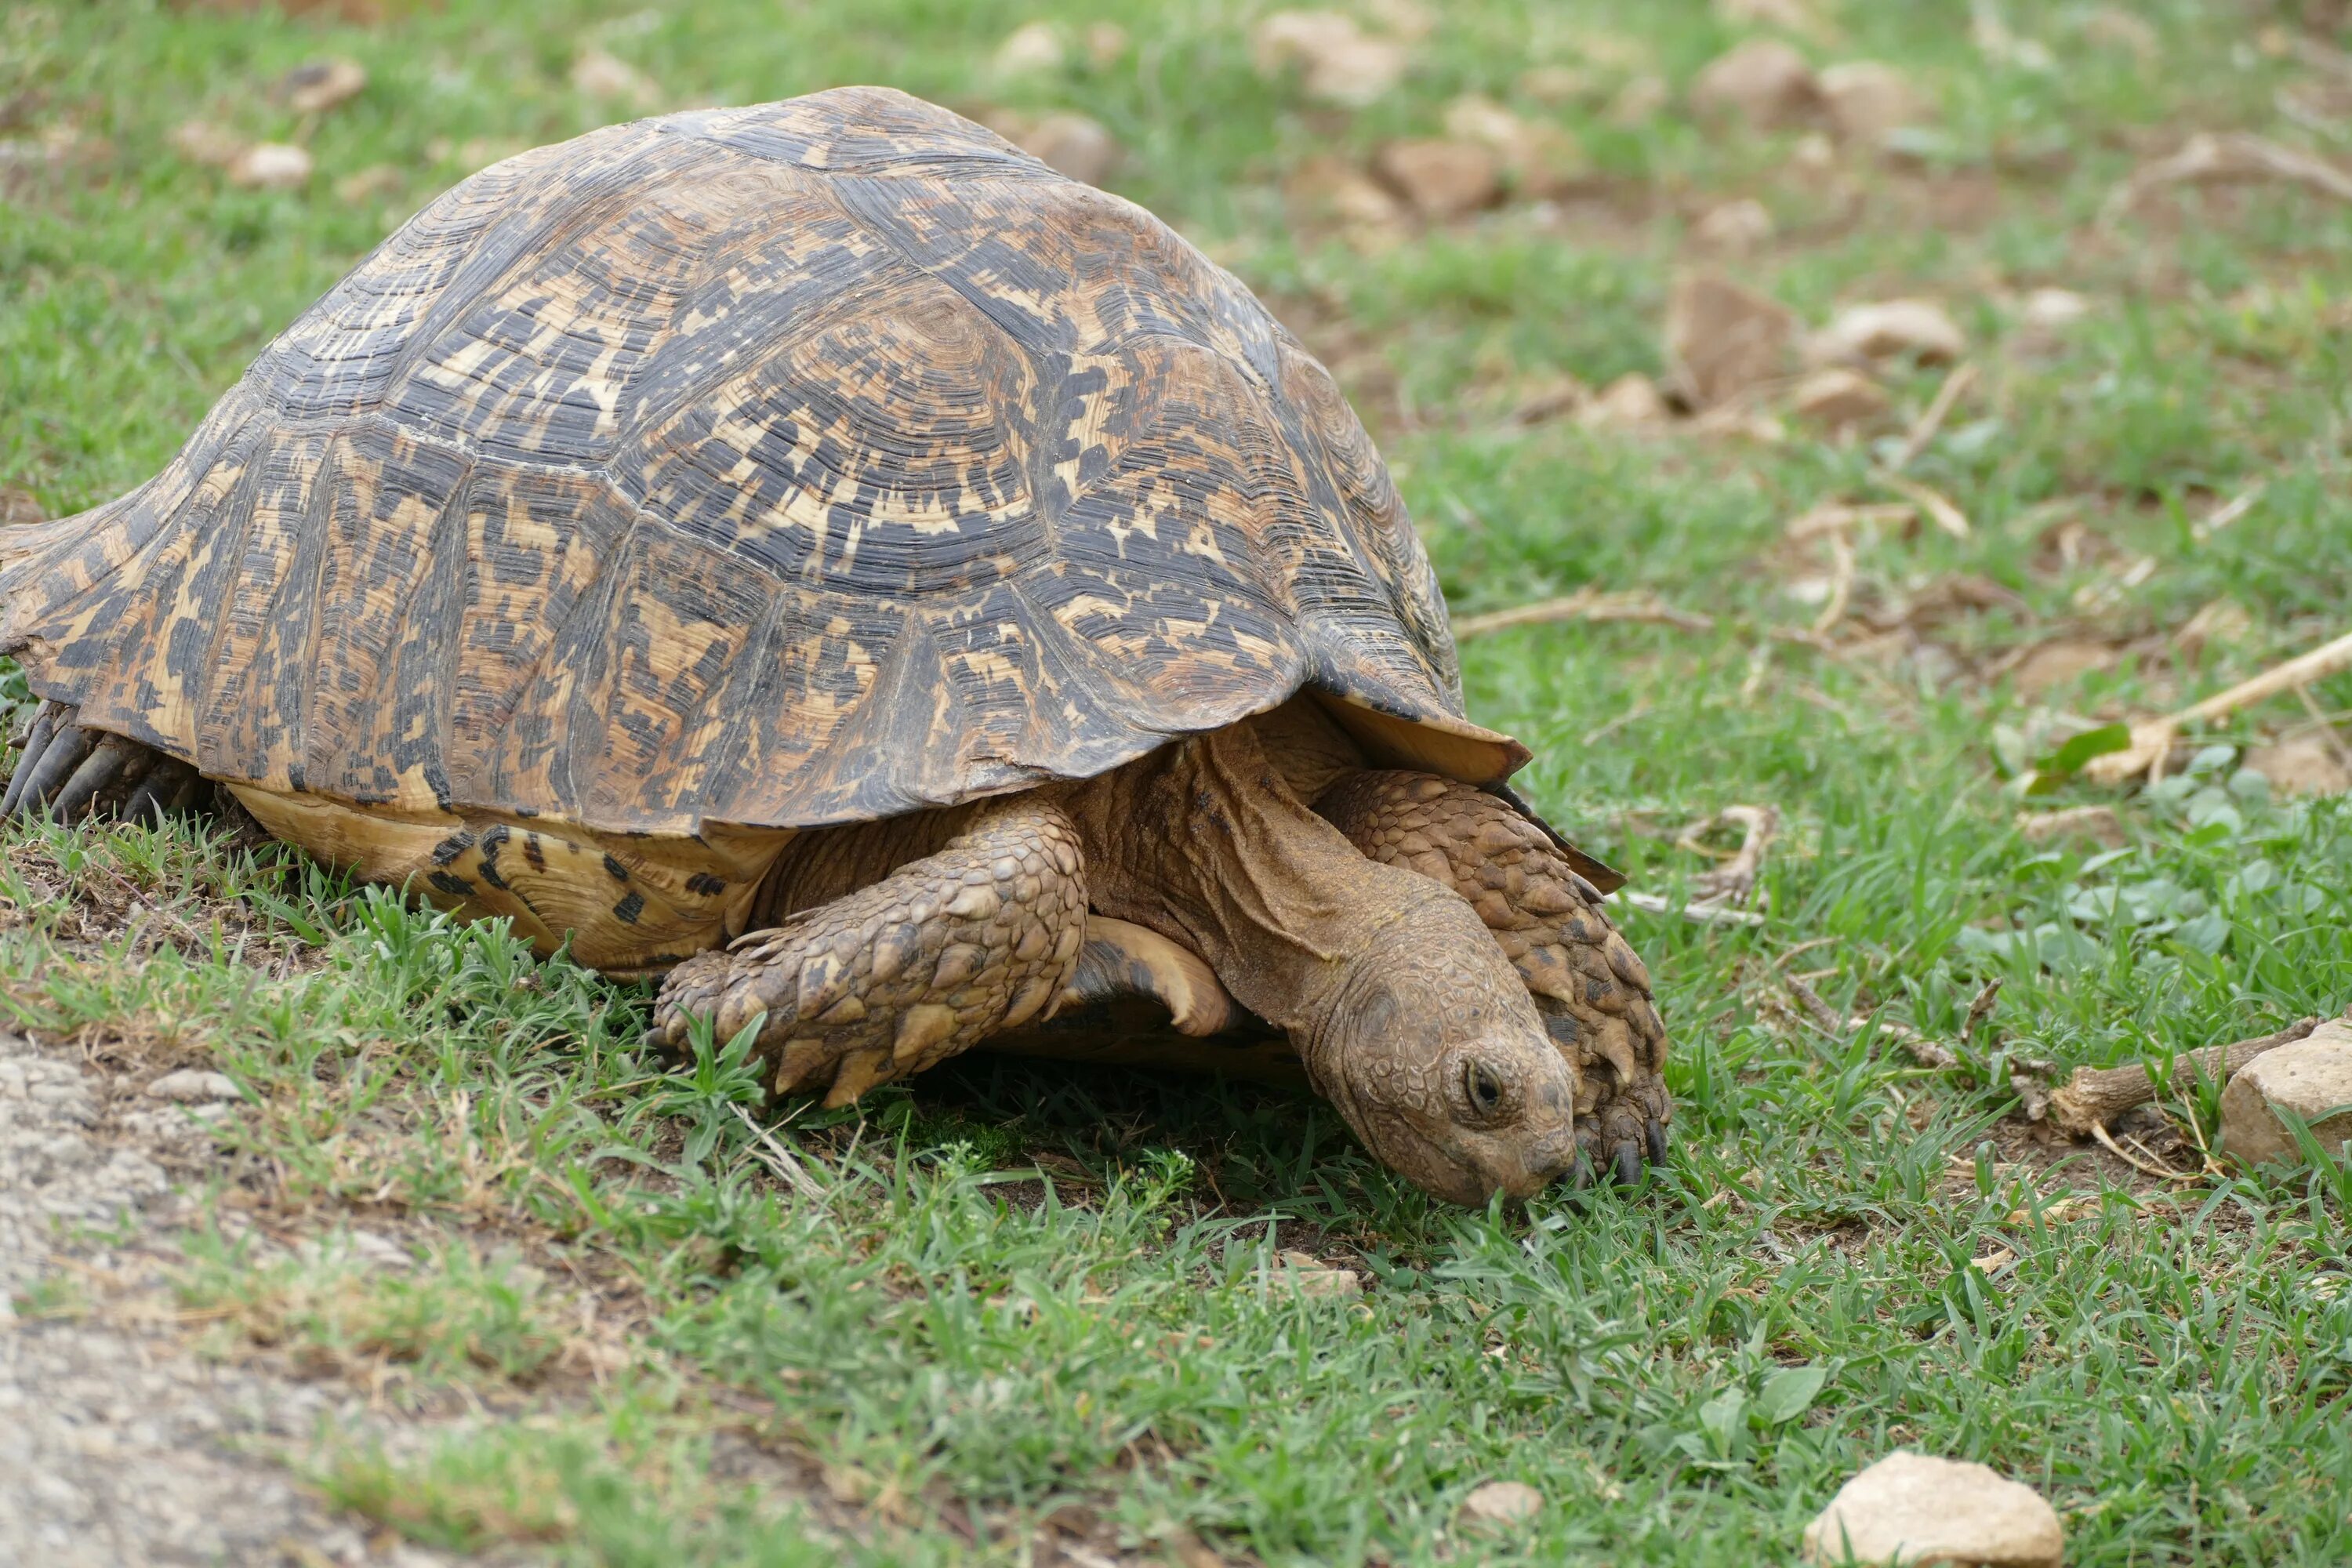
x=1735, y=226
x=1839, y=397
x=1630, y=402
x=610, y=80
x=1033, y=48
x=1869, y=99
x=1722, y=339
x=2304, y=764
x=271, y=166
x=1764, y=83
x=317, y=85
x=2235, y=156
x=1339, y=63
x=1441, y=179
x=1886, y=329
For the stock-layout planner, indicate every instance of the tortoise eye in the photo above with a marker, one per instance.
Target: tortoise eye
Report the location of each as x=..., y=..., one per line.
x=1482, y=1091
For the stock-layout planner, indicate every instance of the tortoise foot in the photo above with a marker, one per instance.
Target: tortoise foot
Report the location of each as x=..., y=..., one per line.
x=68, y=771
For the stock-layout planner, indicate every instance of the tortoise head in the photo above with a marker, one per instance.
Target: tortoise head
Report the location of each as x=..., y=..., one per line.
x=1430, y=1047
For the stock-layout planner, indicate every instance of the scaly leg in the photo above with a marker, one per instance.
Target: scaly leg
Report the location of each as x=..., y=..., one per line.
x=908, y=971
x=67, y=770
x=1588, y=985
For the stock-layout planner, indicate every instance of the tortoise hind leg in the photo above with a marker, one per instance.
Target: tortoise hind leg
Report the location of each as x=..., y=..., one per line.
x=69, y=770
x=906, y=972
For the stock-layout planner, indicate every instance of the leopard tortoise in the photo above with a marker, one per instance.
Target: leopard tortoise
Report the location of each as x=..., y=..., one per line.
x=818, y=552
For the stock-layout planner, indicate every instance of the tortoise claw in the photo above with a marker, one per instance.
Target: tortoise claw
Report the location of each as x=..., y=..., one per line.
x=1627, y=1159
x=1657, y=1142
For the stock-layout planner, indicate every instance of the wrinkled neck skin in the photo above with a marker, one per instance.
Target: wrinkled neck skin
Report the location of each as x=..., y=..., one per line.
x=1205, y=843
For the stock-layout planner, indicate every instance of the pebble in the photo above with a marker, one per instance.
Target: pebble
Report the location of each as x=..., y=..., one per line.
x=1867, y=98
x=1723, y=339
x=2310, y=1078
x=1913, y=1509
x=1502, y=1502
x=271, y=166
x=1442, y=179
x=194, y=1085
x=1763, y=82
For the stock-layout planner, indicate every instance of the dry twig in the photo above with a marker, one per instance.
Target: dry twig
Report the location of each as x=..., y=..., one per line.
x=782, y=1161
x=2094, y=1096
x=1585, y=605
x=1915, y=441
x=2152, y=738
x=2205, y=158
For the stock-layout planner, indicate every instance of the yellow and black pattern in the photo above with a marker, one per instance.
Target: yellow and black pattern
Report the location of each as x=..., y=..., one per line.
x=779, y=467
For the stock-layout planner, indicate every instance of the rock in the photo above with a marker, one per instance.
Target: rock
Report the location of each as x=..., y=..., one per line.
x=1338, y=62
x=1639, y=101
x=1072, y=144
x=610, y=80
x=2312, y=1078
x=1310, y=1275
x=371, y=184
x=1440, y=179
x=1738, y=226
x=2099, y=824
x=1502, y=1502
x=1866, y=100
x=1886, y=329
x=2053, y=309
x=201, y=142
x=1915, y=1509
x=317, y=85
x=1836, y=396
x=1631, y=401
x=1555, y=85
x=1763, y=82
x=1033, y=48
x=1106, y=42
x=1722, y=339
x=1539, y=159
x=270, y=166
x=2305, y=765
x=194, y=1085
x=1327, y=188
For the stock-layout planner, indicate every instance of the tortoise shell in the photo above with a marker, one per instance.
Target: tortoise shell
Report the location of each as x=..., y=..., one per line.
x=775, y=467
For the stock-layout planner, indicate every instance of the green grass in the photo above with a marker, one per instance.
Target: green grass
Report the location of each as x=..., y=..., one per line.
x=1027, y=1297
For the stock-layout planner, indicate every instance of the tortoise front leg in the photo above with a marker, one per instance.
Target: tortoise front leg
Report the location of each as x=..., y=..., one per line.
x=908, y=971
x=1588, y=985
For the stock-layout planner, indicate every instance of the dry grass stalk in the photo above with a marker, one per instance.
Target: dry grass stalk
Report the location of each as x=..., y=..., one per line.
x=2152, y=738
x=1915, y=439
x=1841, y=583
x=2094, y=1096
x=1699, y=910
x=2234, y=155
x=1939, y=507
x=1585, y=605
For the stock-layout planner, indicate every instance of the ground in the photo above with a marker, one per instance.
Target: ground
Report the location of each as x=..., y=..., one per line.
x=463, y=1274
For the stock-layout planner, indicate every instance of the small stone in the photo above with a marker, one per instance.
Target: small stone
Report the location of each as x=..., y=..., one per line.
x=1763, y=82
x=1501, y=1503
x=1106, y=42
x=1631, y=401
x=1836, y=396
x=1338, y=62
x=271, y=166
x=1867, y=100
x=1538, y=159
x=2312, y=1078
x=1310, y=1275
x=1737, y=226
x=2053, y=309
x=194, y=1085
x=1327, y=187
x=610, y=80
x=319, y=85
x=1638, y=101
x=1441, y=179
x=1033, y=48
x=1886, y=329
x=1072, y=145
x=201, y=142
x=1722, y=339
x=2306, y=764
x=1912, y=1509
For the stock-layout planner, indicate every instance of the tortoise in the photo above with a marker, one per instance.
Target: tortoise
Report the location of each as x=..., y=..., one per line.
x=817, y=553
